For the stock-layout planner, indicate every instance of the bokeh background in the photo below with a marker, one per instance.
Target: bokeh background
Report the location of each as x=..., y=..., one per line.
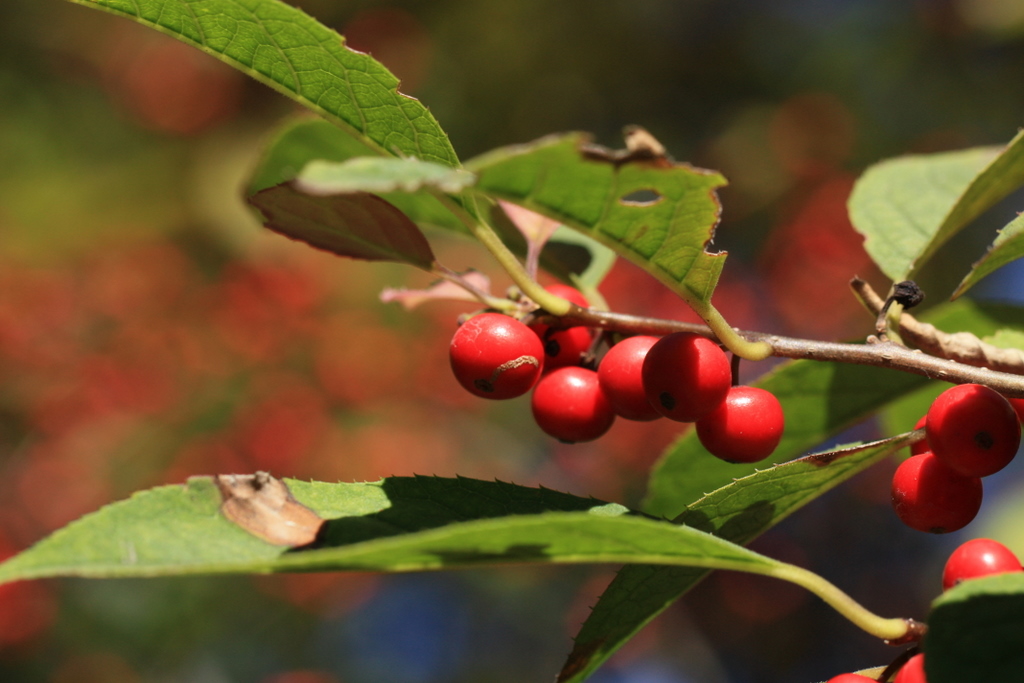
x=151, y=330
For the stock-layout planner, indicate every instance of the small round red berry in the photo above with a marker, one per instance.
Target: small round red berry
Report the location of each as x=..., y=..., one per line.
x=745, y=427
x=973, y=430
x=565, y=347
x=1018, y=407
x=621, y=377
x=912, y=671
x=495, y=356
x=851, y=678
x=978, y=557
x=566, y=292
x=569, y=405
x=928, y=496
x=919, y=447
x=686, y=376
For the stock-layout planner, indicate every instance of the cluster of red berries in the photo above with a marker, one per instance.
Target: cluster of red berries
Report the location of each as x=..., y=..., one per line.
x=972, y=431
x=974, y=559
x=682, y=376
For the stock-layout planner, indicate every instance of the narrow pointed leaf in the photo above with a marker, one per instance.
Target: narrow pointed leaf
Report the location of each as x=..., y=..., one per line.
x=379, y=175
x=660, y=216
x=399, y=524
x=1007, y=247
x=908, y=207
x=976, y=631
x=738, y=512
x=296, y=55
x=358, y=225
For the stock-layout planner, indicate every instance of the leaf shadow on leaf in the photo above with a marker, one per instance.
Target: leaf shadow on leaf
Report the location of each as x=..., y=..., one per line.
x=420, y=503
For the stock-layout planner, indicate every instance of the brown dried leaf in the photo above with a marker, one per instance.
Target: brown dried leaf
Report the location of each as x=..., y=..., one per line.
x=264, y=506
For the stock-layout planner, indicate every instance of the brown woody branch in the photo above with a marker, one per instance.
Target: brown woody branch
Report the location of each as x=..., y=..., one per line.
x=884, y=354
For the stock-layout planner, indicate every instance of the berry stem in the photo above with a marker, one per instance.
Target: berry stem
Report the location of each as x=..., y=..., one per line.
x=552, y=303
x=894, y=630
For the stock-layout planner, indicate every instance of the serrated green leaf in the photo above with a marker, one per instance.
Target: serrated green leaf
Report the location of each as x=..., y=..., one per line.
x=398, y=524
x=738, y=512
x=379, y=175
x=296, y=55
x=1008, y=246
x=908, y=207
x=666, y=236
x=818, y=400
x=358, y=225
x=976, y=631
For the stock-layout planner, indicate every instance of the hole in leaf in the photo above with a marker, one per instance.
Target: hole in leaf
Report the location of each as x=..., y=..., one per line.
x=641, y=198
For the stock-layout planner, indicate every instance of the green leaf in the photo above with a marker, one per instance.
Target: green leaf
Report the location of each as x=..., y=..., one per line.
x=1006, y=339
x=379, y=175
x=976, y=631
x=296, y=55
x=301, y=141
x=738, y=512
x=298, y=141
x=358, y=225
x=908, y=207
x=1008, y=246
x=663, y=229
x=818, y=400
x=398, y=524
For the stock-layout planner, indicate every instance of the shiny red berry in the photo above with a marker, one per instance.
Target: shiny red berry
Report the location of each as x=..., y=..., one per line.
x=978, y=557
x=912, y=671
x=851, y=678
x=973, y=430
x=745, y=427
x=1018, y=406
x=564, y=347
x=621, y=377
x=686, y=376
x=569, y=405
x=928, y=496
x=495, y=356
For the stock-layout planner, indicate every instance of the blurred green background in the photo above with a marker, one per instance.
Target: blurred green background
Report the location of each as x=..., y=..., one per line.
x=151, y=330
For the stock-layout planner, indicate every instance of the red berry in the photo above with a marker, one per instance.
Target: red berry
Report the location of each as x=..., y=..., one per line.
x=564, y=347
x=919, y=447
x=571, y=293
x=686, y=376
x=978, y=557
x=495, y=356
x=928, y=496
x=912, y=671
x=569, y=405
x=973, y=430
x=1018, y=406
x=851, y=678
x=745, y=427
x=620, y=374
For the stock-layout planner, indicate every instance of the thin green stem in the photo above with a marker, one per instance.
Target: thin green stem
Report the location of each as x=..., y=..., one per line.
x=555, y=305
x=887, y=629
